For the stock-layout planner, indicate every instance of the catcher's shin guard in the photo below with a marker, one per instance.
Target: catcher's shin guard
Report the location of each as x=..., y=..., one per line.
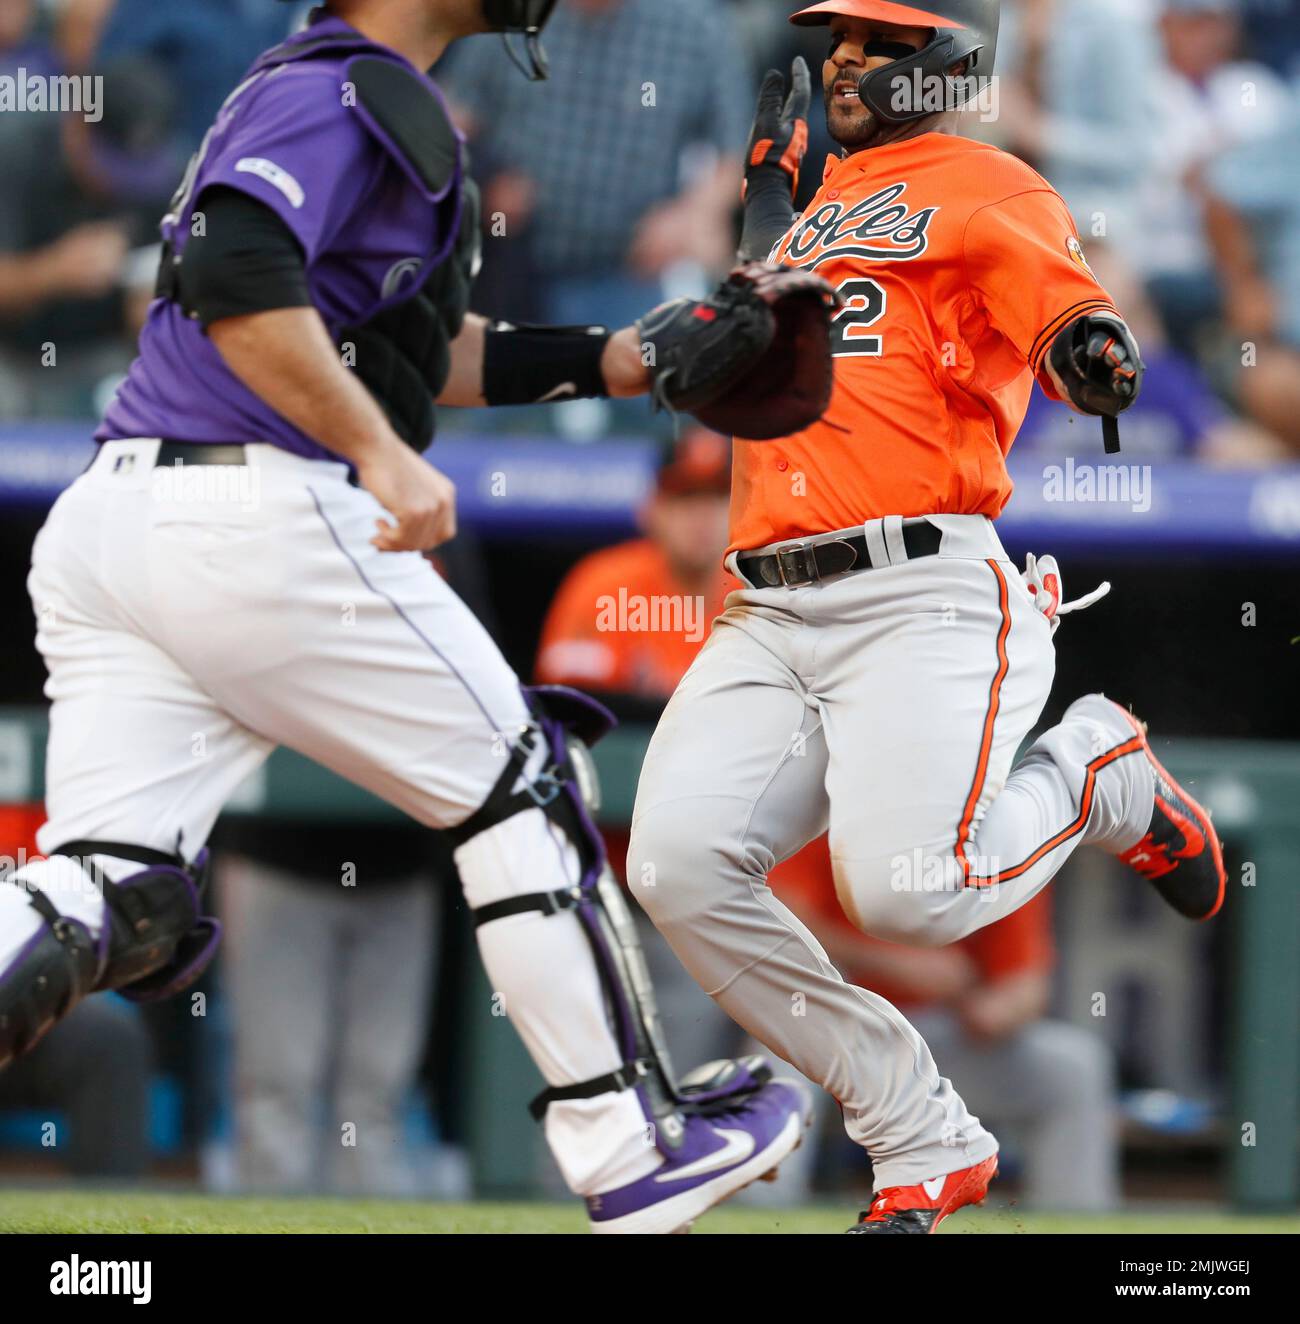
x=48, y=976
x=567, y=722
x=152, y=940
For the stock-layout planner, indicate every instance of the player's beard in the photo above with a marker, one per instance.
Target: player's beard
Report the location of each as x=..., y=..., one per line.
x=853, y=127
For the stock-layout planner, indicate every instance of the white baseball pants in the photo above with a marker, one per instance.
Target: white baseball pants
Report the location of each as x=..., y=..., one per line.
x=193, y=619
x=887, y=705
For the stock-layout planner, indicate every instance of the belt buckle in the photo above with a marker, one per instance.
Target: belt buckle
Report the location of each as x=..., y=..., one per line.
x=804, y=564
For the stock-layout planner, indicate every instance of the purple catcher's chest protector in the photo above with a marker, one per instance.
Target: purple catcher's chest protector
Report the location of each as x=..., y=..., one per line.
x=370, y=186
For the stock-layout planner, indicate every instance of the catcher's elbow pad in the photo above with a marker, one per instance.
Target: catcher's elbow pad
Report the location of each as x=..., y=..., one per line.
x=1099, y=365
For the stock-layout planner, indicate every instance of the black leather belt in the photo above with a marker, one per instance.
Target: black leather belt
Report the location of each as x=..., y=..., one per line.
x=200, y=452
x=806, y=562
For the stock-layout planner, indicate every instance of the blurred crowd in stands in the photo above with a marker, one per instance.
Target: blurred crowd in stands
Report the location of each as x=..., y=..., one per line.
x=1172, y=128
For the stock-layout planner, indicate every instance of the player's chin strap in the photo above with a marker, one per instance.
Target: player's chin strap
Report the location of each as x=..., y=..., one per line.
x=566, y=723
x=538, y=68
x=529, y=18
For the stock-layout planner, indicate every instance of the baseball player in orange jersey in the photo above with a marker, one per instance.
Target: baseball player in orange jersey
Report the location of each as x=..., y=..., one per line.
x=885, y=659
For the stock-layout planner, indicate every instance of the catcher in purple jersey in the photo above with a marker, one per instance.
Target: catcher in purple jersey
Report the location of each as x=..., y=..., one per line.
x=240, y=567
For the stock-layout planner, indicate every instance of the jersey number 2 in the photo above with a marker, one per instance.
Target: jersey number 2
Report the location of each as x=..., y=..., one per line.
x=864, y=306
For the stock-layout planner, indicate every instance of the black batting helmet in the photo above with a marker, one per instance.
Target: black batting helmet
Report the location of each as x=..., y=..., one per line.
x=964, y=30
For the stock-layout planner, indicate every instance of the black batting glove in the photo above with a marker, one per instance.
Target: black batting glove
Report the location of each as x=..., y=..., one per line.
x=1100, y=366
x=780, y=134
x=777, y=145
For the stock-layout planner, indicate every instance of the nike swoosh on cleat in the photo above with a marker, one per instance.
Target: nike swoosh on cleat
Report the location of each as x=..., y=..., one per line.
x=934, y=1187
x=739, y=1146
x=1193, y=837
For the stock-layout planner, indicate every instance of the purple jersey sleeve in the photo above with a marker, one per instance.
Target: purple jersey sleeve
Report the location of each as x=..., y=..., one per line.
x=297, y=147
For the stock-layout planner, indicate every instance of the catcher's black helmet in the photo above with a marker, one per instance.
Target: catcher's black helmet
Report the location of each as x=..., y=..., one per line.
x=525, y=16
x=528, y=17
x=964, y=30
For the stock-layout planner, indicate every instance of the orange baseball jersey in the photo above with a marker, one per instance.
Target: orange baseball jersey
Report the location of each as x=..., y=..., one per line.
x=620, y=622
x=959, y=265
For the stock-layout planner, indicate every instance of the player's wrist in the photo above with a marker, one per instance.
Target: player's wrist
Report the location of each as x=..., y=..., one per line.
x=622, y=364
x=769, y=177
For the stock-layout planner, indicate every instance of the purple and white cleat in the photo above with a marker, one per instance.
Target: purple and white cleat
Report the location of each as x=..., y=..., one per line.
x=722, y=1152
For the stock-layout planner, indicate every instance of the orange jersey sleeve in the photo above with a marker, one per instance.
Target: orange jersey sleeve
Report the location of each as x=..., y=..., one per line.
x=957, y=263
x=1028, y=273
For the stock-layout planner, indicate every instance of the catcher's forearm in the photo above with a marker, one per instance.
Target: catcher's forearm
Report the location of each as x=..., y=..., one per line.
x=464, y=385
x=499, y=364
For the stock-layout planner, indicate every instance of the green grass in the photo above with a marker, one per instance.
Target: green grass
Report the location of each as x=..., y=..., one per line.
x=104, y=1211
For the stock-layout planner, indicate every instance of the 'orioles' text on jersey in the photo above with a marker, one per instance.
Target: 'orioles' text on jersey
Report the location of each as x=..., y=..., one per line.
x=959, y=266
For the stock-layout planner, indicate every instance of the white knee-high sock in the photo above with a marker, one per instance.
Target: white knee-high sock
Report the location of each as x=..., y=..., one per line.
x=542, y=968
x=68, y=887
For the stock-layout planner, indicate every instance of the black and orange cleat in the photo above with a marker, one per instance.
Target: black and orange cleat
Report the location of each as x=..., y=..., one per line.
x=1180, y=855
x=918, y=1210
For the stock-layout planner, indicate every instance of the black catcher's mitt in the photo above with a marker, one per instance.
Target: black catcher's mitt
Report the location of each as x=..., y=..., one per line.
x=753, y=360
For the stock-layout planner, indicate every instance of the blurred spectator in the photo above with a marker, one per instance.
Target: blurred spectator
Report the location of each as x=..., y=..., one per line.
x=77, y=25
x=80, y=195
x=329, y=956
x=22, y=44
x=1177, y=416
x=1075, y=101
x=205, y=45
x=91, y=1073
x=593, y=164
x=1272, y=30
x=628, y=620
x=1207, y=99
x=1253, y=221
x=981, y=1005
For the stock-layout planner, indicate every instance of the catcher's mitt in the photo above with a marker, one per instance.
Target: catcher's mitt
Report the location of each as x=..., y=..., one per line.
x=753, y=360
